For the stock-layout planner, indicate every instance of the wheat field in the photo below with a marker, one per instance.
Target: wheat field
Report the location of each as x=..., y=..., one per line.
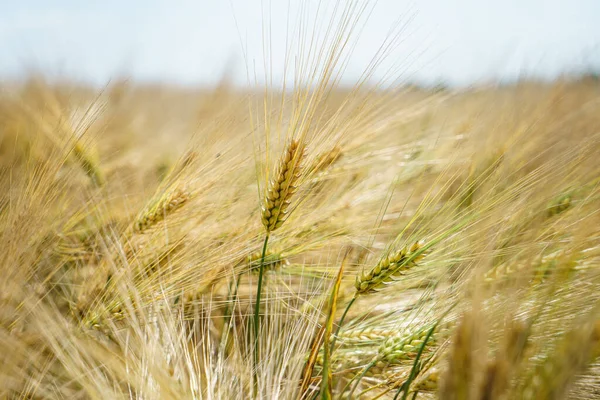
x=323, y=241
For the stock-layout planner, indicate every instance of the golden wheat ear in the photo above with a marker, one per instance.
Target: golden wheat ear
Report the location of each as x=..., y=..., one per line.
x=388, y=268
x=89, y=164
x=281, y=189
x=166, y=204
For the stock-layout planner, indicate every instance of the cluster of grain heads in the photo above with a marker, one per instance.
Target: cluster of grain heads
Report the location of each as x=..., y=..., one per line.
x=160, y=208
x=480, y=174
x=387, y=269
x=157, y=260
x=130, y=252
x=404, y=350
x=537, y=271
x=282, y=187
x=503, y=271
x=382, y=274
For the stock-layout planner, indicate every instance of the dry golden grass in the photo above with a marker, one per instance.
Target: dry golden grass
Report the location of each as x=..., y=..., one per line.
x=122, y=288
x=133, y=224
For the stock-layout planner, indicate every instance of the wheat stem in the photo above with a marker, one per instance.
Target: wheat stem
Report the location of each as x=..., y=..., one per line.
x=337, y=332
x=326, y=389
x=257, y=306
x=362, y=374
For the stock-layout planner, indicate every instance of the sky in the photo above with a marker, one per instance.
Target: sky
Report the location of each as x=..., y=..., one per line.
x=456, y=42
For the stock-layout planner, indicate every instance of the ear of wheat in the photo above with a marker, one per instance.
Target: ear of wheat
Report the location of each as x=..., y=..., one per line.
x=167, y=204
x=389, y=268
x=281, y=189
x=398, y=349
x=272, y=260
x=88, y=164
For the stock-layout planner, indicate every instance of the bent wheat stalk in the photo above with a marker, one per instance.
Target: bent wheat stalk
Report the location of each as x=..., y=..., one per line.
x=326, y=389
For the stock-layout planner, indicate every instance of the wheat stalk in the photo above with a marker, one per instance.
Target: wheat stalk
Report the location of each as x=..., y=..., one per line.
x=274, y=213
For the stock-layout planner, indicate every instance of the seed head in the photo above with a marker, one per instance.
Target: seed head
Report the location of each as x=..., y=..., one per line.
x=166, y=205
x=389, y=268
x=281, y=189
x=395, y=350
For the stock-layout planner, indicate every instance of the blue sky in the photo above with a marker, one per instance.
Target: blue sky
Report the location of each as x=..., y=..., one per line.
x=186, y=41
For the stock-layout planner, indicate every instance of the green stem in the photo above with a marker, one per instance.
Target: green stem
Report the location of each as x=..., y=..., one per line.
x=337, y=331
x=257, y=305
x=415, y=368
x=362, y=374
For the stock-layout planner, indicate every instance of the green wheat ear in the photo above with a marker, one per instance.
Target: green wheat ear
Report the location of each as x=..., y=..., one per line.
x=387, y=269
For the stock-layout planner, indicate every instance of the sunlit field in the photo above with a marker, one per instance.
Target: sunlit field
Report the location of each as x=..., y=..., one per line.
x=323, y=241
